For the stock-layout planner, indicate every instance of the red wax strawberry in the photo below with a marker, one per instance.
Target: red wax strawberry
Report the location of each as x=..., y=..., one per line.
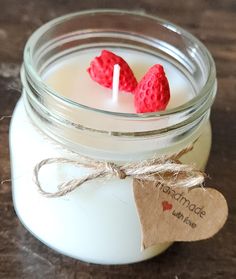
x=152, y=92
x=101, y=71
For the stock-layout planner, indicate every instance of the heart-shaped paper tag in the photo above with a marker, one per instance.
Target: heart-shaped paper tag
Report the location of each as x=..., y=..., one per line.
x=178, y=214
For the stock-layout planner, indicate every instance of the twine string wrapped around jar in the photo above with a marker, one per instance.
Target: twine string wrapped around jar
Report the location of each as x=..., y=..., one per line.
x=166, y=170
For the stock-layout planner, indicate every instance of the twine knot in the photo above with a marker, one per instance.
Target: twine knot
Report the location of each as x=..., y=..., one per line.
x=116, y=170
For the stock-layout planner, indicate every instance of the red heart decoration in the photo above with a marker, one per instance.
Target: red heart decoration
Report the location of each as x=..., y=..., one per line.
x=166, y=205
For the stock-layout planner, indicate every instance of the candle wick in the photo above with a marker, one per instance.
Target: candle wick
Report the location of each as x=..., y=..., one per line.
x=115, y=83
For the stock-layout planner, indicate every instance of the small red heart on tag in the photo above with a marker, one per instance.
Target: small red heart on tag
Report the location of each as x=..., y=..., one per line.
x=166, y=205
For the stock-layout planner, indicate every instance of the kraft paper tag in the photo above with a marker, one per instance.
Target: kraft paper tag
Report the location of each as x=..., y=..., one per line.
x=178, y=214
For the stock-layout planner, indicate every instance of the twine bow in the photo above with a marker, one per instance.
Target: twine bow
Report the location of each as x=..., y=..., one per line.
x=166, y=170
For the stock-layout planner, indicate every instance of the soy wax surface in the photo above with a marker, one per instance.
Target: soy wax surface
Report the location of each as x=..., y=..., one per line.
x=70, y=79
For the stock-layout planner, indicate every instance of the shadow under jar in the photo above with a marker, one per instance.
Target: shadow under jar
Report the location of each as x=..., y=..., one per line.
x=98, y=222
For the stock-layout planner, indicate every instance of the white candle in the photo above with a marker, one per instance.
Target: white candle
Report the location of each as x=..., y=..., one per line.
x=98, y=222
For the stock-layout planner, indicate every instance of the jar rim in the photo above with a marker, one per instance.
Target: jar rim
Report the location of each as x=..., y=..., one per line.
x=192, y=103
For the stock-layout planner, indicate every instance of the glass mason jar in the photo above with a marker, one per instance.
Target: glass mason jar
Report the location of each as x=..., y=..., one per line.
x=98, y=222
